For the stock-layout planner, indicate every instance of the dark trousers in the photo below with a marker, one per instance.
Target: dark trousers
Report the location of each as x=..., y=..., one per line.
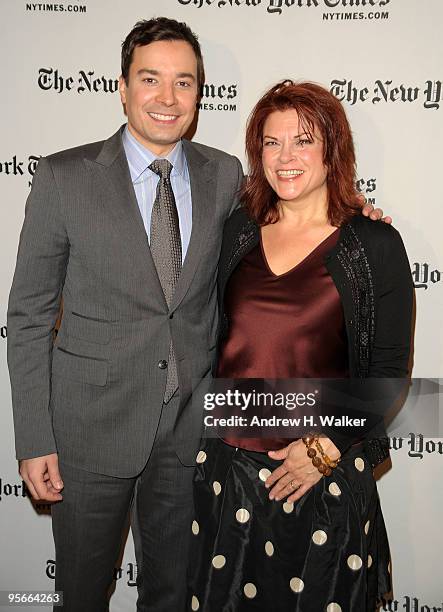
x=89, y=522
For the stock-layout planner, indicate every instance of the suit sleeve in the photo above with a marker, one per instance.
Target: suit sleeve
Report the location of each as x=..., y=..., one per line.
x=239, y=184
x=34, y=305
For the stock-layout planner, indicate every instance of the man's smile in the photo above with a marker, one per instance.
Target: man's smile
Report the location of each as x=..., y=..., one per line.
x=163, y=118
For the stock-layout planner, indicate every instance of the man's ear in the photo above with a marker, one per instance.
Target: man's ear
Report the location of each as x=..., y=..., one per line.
x=122, y=89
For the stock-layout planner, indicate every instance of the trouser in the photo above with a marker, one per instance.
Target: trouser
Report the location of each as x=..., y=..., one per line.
x=88, y=526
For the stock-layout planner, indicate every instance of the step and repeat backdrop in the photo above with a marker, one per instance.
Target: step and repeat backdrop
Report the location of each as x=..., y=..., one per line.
x=382, y=58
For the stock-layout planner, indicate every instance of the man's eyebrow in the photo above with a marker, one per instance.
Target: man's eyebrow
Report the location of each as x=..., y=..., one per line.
x=186, y=75
x=180, y=75
x=149, y=71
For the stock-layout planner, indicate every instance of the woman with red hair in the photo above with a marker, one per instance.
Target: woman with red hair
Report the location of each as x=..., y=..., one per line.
x=309, y=288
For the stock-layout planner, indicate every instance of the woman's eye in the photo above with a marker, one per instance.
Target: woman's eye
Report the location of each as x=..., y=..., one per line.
x=304, y=141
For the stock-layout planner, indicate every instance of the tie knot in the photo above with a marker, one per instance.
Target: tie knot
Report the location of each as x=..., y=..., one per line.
x=162, y=167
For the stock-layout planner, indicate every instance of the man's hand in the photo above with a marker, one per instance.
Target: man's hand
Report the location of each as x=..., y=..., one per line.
x=296, y=474
x=42, y=477
x=373, y=213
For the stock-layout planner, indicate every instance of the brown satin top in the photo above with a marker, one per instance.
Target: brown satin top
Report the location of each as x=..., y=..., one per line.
x=289, y=325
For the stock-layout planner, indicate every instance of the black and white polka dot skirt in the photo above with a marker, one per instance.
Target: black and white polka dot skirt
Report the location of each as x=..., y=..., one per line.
x=328, y=552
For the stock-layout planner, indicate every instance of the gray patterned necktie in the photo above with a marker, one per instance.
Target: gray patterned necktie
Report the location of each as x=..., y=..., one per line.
x=166, y=250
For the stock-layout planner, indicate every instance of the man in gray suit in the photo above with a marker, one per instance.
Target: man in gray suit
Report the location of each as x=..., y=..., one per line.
x=105, y=408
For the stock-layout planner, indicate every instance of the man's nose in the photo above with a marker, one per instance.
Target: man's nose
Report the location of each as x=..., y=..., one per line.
x=166, y=94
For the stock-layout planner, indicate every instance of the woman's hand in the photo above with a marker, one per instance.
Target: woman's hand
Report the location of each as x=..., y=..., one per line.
x=296, y=474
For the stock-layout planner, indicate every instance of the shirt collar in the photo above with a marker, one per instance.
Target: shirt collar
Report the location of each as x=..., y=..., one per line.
x=139, y=157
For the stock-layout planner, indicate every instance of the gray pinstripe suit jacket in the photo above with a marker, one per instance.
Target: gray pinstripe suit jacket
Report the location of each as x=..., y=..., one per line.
x=95, y=395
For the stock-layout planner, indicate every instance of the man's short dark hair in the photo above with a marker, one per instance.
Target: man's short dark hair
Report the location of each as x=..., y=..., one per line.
x=161, y=28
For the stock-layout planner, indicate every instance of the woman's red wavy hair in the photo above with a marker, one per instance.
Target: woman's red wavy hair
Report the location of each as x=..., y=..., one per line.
x=318, y=111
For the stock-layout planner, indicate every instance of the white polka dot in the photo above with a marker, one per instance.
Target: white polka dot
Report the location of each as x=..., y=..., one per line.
x=263, y=474
x=319, y=537
x=288, y=507
x=242, y=515
x=334, y=489
x=269, y=548
x=195, y=604
x=250, y=590
x=219, y=561
x=297, y=585
x=369, y=561
x=333, y=607
x=359, y=464
x=217, y=487
x=195, y=528
x=367, y=527
x=354, y=562
x=201, y=457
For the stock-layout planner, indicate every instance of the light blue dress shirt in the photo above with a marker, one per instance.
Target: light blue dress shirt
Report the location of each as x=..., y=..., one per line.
x=145, y=184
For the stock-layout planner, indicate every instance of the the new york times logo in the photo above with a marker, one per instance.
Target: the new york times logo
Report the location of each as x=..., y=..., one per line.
x=128, y=573
x=424, y=276
x=218, y=97
x=408, y=603
x=214, y=96
x=418, y=446
x=430, y=94
x=276, y=7
x=12, y=489
x=15, y=167
x=50, y=79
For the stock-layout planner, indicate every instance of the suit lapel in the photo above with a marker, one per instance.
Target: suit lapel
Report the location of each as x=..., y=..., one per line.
x=202, y=173
x=112, y=171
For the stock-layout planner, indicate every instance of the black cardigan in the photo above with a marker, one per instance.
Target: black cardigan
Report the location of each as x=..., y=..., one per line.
x=370, y=269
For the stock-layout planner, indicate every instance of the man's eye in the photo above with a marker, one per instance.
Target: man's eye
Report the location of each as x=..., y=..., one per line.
x=149, y=80
x=184, y=84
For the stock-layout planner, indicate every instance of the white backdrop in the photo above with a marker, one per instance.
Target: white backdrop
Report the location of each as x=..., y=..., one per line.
x=59, y=62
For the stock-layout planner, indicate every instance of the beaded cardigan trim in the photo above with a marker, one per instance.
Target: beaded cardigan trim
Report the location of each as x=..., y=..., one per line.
x=354, y=262
x=246, y=239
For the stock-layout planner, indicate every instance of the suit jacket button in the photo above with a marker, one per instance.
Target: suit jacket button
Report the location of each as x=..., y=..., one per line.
x=162, y=364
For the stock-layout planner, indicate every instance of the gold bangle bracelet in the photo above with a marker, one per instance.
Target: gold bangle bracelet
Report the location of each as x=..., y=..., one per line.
x=324, y=468
x=332, y=463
